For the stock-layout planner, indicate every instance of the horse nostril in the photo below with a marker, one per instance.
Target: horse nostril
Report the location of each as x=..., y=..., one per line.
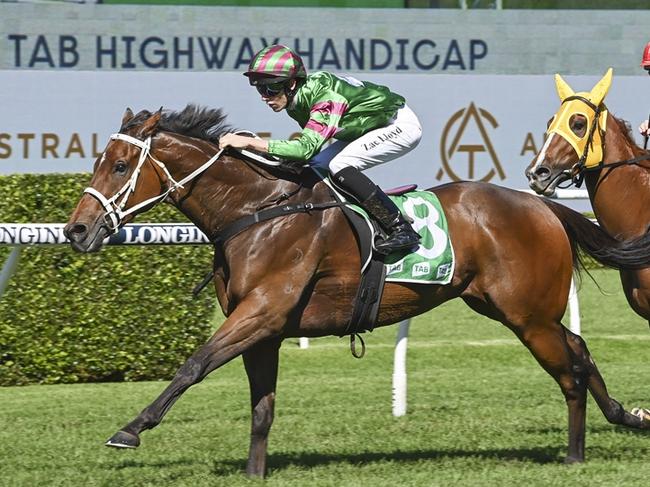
x=542, y=172
x=75, y=231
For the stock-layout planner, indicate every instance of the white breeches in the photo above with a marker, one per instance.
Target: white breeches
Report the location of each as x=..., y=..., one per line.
x=384, y=144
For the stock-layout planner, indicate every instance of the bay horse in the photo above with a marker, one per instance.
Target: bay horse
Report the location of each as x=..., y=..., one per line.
x=616, y=172
x=296, y=275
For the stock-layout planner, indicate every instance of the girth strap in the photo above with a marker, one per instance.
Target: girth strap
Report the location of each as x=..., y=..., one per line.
x=366, y=303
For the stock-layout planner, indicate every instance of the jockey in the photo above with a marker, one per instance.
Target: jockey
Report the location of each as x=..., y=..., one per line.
x=372, y=125
x=645, y=64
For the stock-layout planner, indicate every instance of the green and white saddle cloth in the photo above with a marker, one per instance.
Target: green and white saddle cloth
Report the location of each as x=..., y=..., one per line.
x=433, y=260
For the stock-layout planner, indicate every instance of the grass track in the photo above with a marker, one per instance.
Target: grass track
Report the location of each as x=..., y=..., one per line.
x=481, y=412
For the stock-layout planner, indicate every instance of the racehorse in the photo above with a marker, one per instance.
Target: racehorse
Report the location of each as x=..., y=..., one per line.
x=296, y=275
x=586, y=142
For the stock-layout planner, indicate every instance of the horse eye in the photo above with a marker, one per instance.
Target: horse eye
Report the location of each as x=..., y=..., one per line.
x=578, y=125
x=120, y=167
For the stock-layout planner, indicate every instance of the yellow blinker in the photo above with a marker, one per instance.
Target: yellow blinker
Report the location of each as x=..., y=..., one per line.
x=560, y=123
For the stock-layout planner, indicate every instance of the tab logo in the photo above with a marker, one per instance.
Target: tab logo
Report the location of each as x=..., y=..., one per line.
x=443, y=270
x=395, y=268
x=422, y=269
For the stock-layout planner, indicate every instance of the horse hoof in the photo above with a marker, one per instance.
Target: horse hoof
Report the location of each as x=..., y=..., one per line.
x=642, y=414
x=571, y=460
x=122, y=439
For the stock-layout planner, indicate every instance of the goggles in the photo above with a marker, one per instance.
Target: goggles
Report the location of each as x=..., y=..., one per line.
x=270, y=90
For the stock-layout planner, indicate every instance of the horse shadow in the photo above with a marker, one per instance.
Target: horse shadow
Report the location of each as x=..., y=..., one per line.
x=282, y=461
x=602, y=428
x=538, y=455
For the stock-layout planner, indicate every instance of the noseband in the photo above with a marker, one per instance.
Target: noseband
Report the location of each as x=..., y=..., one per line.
x=116, y=204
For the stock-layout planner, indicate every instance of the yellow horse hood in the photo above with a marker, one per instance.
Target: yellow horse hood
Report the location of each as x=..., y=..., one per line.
x=574, y=104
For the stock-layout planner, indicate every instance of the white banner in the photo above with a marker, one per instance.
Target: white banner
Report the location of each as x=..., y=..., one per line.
x=484, y=128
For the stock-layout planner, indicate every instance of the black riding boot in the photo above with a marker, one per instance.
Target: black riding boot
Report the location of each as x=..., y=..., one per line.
x=400, y=234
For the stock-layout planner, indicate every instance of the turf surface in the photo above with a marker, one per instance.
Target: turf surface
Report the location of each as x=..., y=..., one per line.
x=480, y=412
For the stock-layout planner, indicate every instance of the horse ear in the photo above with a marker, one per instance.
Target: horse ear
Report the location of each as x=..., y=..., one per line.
x=563, y=89
x=128, y=115
x=599, y=92
x=150, y=125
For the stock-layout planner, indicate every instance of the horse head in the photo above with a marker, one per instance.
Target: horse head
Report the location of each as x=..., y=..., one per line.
x=574, y=137
x=129, y=177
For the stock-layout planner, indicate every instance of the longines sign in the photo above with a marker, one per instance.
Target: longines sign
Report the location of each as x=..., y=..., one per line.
x=130, y=234
x=483, y=128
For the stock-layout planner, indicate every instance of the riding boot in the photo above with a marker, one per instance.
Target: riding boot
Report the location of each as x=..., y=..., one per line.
x=400, y=234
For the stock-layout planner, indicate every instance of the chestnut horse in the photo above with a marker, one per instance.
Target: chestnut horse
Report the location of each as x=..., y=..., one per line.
x=616, y=172
x=297, y=275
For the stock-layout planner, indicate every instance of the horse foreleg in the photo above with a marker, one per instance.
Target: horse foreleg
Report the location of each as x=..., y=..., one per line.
x=549, y=346
x=261, y=364
x=245, y=328
x=610, y=407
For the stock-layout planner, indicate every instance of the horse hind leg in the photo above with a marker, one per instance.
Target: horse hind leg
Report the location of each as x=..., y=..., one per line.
x=610, y=407
x=261, y=364
x=548, y=344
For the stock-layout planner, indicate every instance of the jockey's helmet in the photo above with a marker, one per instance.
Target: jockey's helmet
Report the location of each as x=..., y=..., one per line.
x=275, y=64
x=645, y=60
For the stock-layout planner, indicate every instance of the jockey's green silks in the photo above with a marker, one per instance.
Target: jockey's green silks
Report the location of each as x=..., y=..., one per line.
x=329, y=106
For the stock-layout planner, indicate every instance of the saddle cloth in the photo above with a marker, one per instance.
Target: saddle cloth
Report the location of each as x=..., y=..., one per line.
x=433, y=260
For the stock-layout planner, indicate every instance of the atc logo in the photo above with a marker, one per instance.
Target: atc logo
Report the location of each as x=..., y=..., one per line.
x=460, y=136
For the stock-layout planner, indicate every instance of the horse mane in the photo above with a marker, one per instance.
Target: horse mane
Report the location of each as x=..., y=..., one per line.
x=193, y=120
x=626, y=130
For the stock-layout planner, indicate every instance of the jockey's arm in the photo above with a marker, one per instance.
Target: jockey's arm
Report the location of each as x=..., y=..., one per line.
x=241, y=142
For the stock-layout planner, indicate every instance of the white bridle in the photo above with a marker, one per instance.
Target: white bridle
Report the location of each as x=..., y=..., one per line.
x=115, y=210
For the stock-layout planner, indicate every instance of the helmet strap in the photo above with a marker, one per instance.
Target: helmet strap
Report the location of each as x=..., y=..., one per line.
x=291, y=92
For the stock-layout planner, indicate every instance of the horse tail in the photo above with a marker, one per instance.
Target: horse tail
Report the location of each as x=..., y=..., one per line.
x=597, y=243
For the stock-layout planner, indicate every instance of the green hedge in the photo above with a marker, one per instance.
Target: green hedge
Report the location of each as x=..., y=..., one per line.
x=125, y=313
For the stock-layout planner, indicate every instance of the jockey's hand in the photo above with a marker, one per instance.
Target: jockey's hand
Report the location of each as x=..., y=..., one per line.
x=233, y=140
x=644, y=129
x=241, y=142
